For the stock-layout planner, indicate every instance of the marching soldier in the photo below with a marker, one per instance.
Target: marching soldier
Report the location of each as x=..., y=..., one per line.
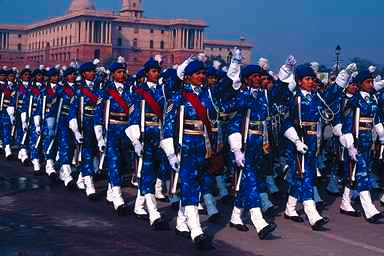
x=361, y=116
x=81, y=117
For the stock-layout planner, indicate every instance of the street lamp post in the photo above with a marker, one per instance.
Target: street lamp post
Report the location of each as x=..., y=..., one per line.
x=337, y=51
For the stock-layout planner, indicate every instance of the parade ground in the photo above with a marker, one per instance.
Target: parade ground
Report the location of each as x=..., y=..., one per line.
x=38, y=217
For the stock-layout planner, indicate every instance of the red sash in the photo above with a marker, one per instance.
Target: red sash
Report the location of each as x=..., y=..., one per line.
x=117, y=97
x=151, y=101
x=21, y=89
x=7, y=92
x=201, y=111
x=93, y=98
x=68, y=90
x=50, y=91
x=35, y=91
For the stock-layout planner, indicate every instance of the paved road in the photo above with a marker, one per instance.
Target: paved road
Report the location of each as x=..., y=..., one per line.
x=41, y=218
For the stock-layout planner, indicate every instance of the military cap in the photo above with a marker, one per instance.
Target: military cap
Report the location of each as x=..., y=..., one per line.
x=193, y=67
x=87, y=66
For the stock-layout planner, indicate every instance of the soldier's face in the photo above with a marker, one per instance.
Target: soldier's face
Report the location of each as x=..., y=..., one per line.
x=254, y=80
x=26, y=76
x=11, y=77
x=153, y=75
x=119, y=75
x=352, y=89
x=266, y=82
x=367, y=85
x=197, y=78
x=54, y=79
x=71, y=78
x=307, y=83
x=2, y=77
x=211, y=80
x=89, y=75
x=39, y=78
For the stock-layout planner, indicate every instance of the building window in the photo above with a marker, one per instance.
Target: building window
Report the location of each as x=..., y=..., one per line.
x=135, y=59
x=161, y=44
x=162, y=31
x=119, y=28
x=19, y=35
x=136, y=30
x=151, y=31
x=119, y=41
x=151, y=44
x=135, y=43
x=66, y=40
x=96, y=54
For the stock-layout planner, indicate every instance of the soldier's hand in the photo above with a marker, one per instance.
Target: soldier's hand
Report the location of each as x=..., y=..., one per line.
x=138, y=147
x=301, y=147
x=352, y=151
x=239, y=158
x=37, y=129
x=291, y=60
x=101, y=144
x=24, y=126
x=79, y=137
x=351, y=68
x=174, y=162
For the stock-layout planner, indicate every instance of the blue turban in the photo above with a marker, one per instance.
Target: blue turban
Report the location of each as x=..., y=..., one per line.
x=69, y=70
x=249, y=70
x=193, y=67
x=151, y=64
x=87, y=66
x=302, y=71
x=117, y=65
x=53, y=72
x=362, y=76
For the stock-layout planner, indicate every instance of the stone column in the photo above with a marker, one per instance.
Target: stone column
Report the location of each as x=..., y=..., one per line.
x=1, y=40
x=102, y=26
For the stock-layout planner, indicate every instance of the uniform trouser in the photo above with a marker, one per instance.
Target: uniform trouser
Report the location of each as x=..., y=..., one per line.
x=193, y=175
x=19, y=130
x=362, y=178
x=153, y=162
x=6, y=128
x=117, y=141
x=66, y=142
x=266, y=170
x=48, y=136
x=248, y=196
x=89, y=148
x=33, y=137
x=301, y=187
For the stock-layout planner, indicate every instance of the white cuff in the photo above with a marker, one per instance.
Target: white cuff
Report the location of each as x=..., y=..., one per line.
x=36, y=120
x=291, y=134
x=11, y=111
x=346, y=140
x=73, y=125
x=234, y=141
x=337, y=130
x=23, y=117
x=133, y=132
x=167, y=146
x=380, y=131
x=98, y=132
x=342, y=78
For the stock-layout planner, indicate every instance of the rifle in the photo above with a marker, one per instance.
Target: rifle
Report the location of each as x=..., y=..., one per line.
x=2, y=101
x=352, y=163
x=106, y=123
x=57, y=126
x=300, y=162
x=245, y=137
x=180, y=144
x=28, y=118
x=81, y=119
x=142, y=126
x=42, y=119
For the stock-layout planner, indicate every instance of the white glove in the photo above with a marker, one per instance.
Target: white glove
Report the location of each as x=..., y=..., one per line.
x=36, y=120
x=352, y=151
x=337, y=130
x=342, y=78
x=372, y=68
x=24, y=126
x=11, y=111
x=37, y=129
x=202, y=57
x=23, y=117
x=174, y=162
x=351, y=68
x=264, y=63
x=291, y=60
x=99, y=137
x=133, y=132
x=78, y=137
x=291, y=134
x=13, y=120
x=96, y=61
x=239, y=158
x=301, y=147
x=138, y=146
x=182, y=66
x=378, y=85
x=158, y=58
x=346, y=140
x=101, y=144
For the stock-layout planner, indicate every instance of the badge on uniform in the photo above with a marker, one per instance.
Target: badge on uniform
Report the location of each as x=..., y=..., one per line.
x=170, y=106
x=131, y=108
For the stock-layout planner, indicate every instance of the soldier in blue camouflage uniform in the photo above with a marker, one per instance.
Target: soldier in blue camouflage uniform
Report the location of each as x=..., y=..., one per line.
x=48, y=116
x=305, y=112
x=153, y=157
x=66, y=141
x=199, y=111
x=121, y=107
x=359, y=140
x=21, y=122
x=253, y=99
x=35, y=93
x=7, y=111
x=93, y=142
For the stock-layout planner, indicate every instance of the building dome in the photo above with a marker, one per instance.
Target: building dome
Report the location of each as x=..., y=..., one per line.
x=80, y=5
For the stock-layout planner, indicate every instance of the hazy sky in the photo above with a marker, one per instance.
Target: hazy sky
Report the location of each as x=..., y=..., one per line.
x=308, y=29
